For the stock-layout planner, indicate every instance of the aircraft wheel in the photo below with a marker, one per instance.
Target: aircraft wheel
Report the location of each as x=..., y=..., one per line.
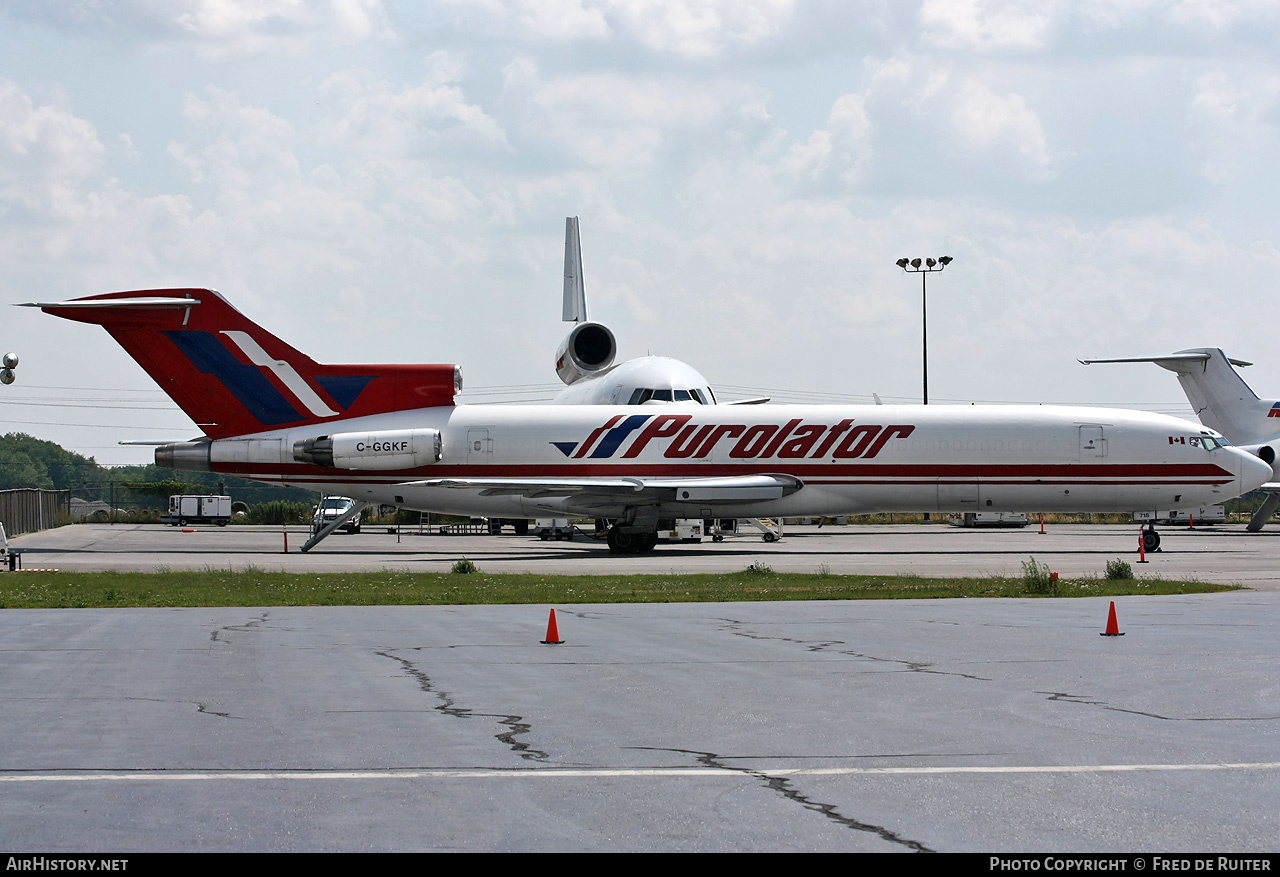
x=623, y=543
x=648, y=542
x=1150, y=540
x=522, y=528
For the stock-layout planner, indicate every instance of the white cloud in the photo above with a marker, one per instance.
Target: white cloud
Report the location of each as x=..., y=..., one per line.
x=220, y=28
x=384, y=120
x=552, y=20
x=984, y=119
x=246, y=148
x=619, y=120
x=1235, y=116
x=700, y=28
x=842, y=147
x=43, y=149
x=244, y=27
x=982, y=25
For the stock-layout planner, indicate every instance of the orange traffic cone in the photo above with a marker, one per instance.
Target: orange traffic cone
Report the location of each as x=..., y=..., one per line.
x=1113, y=629
x=553, y=633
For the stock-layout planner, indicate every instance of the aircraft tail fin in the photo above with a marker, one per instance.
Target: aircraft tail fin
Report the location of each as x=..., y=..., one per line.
x=232, y=377
x=1217, y=393
x=575, y=295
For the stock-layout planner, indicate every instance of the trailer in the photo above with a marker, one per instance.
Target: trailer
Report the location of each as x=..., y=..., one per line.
x=1210, y=514
x=682, y=531
x=194, y=509
x=988, y=519
x=553, y=528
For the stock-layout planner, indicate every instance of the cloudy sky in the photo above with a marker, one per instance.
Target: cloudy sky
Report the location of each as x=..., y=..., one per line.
x=378, y=181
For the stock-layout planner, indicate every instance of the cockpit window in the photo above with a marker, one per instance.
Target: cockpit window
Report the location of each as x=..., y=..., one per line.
x=642, y=395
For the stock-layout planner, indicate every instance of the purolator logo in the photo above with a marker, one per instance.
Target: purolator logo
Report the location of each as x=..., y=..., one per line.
x=680, y=438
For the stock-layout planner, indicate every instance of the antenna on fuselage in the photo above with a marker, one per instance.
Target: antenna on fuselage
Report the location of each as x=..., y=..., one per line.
x=575, y=296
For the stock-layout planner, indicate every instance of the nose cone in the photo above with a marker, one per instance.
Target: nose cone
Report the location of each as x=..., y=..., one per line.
x=1253, y=472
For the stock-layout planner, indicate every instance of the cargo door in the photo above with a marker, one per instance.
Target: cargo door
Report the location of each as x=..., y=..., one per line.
x=962, y=497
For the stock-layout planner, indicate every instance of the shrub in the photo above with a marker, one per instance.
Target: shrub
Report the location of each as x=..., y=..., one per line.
x=1119, y=569
x=760, y=569
x=279, y=511
x=464, y=566
x=1036, y=578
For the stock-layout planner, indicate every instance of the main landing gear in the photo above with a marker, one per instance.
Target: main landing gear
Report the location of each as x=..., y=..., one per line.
x=630, y=542
x=1150, y=539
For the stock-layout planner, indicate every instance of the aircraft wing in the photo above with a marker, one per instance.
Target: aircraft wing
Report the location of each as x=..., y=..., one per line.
x=632, y=491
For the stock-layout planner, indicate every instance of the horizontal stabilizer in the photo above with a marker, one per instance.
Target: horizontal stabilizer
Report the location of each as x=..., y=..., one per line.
x=1174, y=362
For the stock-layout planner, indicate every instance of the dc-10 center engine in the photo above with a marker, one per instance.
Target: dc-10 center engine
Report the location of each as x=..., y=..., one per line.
x=588, y=350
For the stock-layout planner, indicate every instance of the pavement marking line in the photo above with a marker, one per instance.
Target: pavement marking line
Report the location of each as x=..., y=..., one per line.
x=149, y=776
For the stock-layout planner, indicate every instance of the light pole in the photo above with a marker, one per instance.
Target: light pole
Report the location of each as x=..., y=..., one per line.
x=924, y=269
x=10, y=362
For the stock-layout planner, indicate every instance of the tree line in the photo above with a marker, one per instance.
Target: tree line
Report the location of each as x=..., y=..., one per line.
x=26, y=461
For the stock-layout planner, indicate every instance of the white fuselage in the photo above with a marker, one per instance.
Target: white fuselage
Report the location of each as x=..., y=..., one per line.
x=850, y=459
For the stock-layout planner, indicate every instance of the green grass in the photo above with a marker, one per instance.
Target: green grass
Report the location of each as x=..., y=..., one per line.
x=253, y=587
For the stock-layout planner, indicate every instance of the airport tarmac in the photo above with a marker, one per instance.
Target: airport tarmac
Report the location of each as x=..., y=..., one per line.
x=944, y=725
x=1224, y=554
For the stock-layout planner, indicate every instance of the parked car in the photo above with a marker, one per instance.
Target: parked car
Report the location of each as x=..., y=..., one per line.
x=333, y=507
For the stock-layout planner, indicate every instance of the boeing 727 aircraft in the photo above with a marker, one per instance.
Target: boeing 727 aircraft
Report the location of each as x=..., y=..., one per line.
x=1224, y=402
x=392, y=434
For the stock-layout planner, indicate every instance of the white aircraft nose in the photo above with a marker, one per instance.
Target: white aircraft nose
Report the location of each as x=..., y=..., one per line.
x=1253, y=472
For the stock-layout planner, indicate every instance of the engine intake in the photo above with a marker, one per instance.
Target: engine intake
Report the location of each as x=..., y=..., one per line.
x=588, y=350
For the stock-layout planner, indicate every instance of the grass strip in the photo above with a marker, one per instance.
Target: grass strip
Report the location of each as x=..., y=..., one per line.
x=252, y=587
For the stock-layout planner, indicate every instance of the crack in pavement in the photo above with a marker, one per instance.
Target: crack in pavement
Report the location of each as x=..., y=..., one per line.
x=250, y=625
x=1065, y=697
x=733, y=626
x=448, y=707
x=215, y=636
x=785, y=788
x=202, y=707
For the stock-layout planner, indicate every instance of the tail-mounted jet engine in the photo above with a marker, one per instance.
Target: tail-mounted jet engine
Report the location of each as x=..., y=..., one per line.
x=385, y=449
x=588, y=350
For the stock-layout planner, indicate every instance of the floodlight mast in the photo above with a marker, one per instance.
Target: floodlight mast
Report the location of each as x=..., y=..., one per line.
x=924, y=268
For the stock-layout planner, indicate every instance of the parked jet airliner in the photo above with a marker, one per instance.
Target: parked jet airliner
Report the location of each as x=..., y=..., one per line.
x=1224, y=402
x=392, y=434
